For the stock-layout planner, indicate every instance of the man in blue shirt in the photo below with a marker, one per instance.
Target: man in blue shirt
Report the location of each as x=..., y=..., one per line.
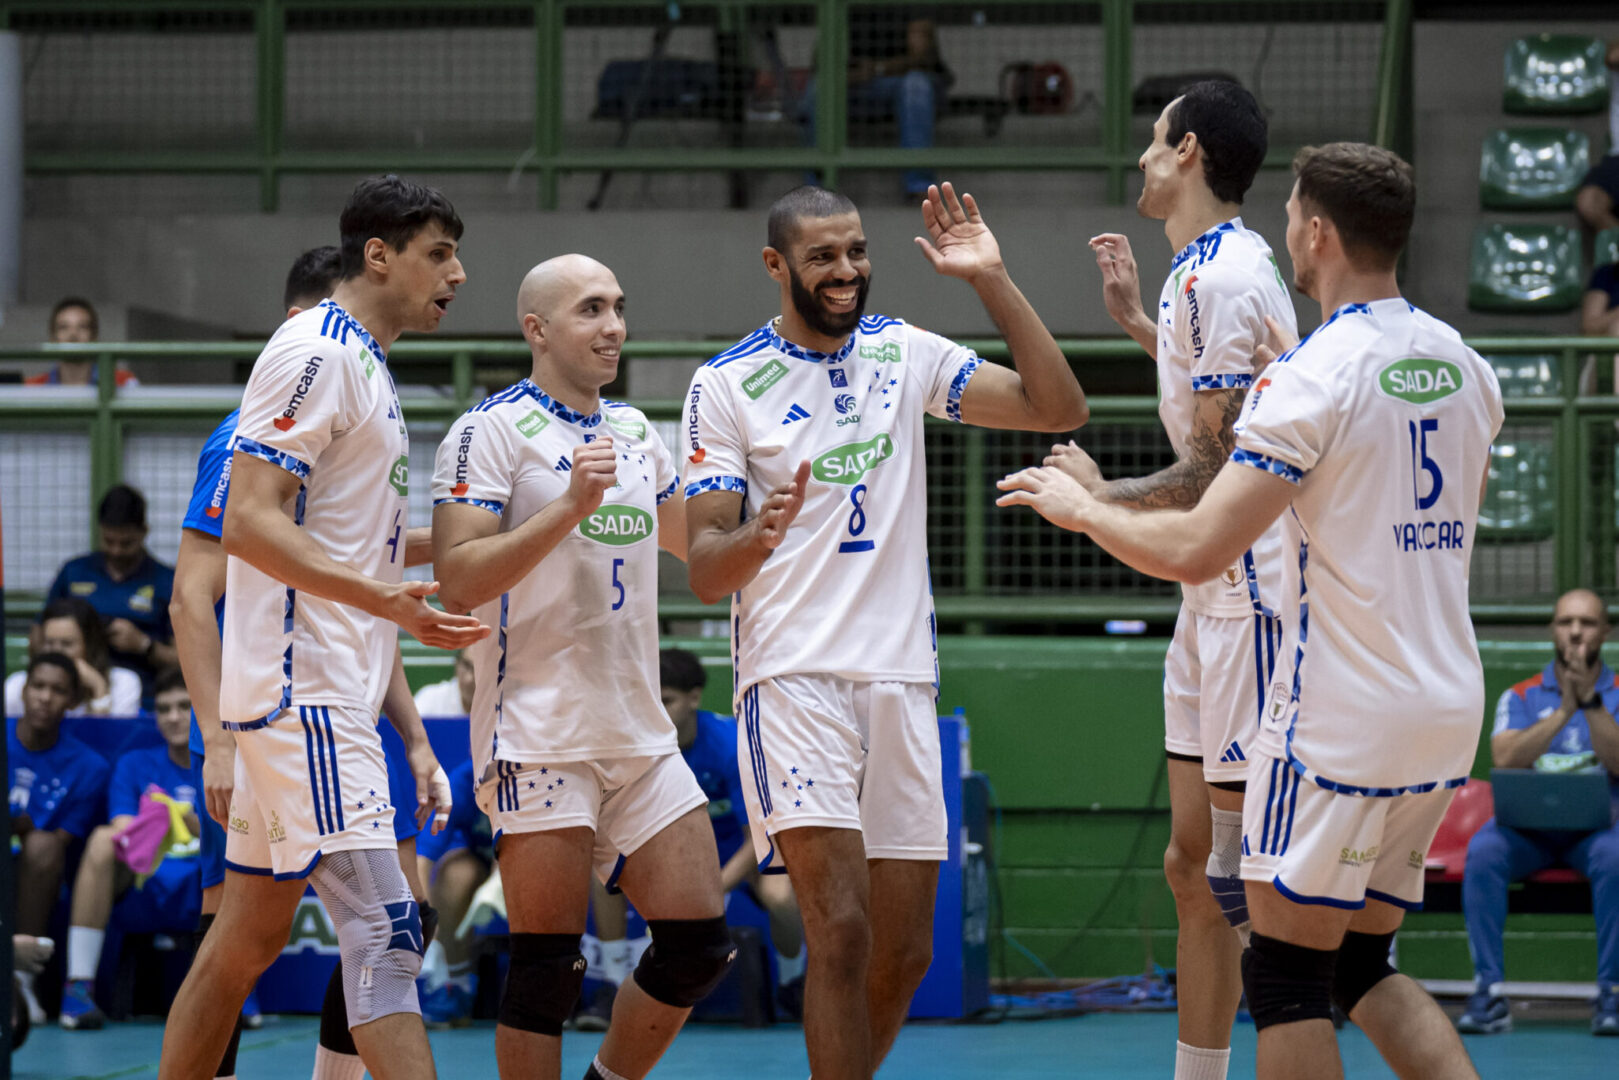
x=57, y=785
x=128, y=588
x=1561, y=720
x=167, y=901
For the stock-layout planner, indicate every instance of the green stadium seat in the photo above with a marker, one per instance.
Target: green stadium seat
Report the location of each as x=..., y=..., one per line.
x=1520, y=502
x=1525, y=268
x=1555, y=73
x=1607, y=249
x=1522, y=376
x=1532, y=168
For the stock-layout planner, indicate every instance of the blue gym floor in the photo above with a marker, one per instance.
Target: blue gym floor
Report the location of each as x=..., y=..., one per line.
x=1098, y=1047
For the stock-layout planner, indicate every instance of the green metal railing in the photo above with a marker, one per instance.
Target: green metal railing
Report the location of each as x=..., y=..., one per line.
x=269, y=158
x=1570, y=490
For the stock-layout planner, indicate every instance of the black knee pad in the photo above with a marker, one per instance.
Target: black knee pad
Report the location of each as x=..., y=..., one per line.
x=543, y=982
x=1287, y=983
x=1363, y=962
x=686, y=960
x=429, y=925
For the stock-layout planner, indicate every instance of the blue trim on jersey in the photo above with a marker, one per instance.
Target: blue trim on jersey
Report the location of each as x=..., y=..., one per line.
x=251, y=725
x=872, y=324
x=716, y=483
x=1319, y=901
x=958, y=386
x=669, y=492
x=749, y=345
x=252, y=448
x=339, y=324
x=756, y=752
x=256, y=871
x=511, y=393
x=798, y=352
x=500, y=668
x=1204, y=246
x=611, y=884
x=1291, y=473
x=494, y=506
x=1232, y=381
x=294, y=875
x=1390, y=898
x=319, y=791
x=559, y=410
x=1251, y=572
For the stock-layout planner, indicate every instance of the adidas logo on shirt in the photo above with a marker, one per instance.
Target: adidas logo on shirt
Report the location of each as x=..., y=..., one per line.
x=797, y=412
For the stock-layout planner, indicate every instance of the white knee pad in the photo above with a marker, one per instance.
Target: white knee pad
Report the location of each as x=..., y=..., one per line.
x=1224, y=869
x=379, y=931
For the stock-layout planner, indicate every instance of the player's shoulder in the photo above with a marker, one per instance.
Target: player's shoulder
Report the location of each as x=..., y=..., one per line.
x=621, y=415
x=760, y=342
x=885, y=325
x=515, y=400
x=220, y=439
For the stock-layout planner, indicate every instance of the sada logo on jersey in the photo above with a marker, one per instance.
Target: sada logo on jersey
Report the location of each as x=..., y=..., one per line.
x=289, y=415
x=1420, y=380
x=846, y=404
x=617, y=526
x=847, y=463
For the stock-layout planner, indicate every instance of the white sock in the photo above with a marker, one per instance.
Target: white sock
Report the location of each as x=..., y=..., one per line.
x=434, y=964
x=83, y=951
x=603, y=1071
x=616, y=962
x=1196, y=1063
x=330, y=1065
x=789, y=968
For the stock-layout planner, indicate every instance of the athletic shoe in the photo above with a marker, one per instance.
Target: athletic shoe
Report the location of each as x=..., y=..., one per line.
x=79, y=1011
x=1486, y=1014
x=1605, y=1017
x=597, y=1013
x=252, y=1017
x=448, y=1005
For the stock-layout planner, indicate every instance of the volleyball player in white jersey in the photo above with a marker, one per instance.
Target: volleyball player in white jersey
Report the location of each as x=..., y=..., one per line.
x=1373, y=437
x=314, y=537
x=807, y=500
x=550, y=505
x=1223, y=283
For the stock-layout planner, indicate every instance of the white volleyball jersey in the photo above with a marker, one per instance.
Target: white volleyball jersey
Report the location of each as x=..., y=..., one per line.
x=847, y=593
x=321, y=404
x=1384, y=419
x=1211, y=321
x=571, y=672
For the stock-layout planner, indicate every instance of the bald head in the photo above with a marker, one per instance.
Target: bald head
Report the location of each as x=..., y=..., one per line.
x=1583, y=601
x=553, y=283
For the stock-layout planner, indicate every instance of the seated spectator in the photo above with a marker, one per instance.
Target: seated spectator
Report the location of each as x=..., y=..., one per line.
x=1599, y=312
x=73, y=322
x=895, y=70
x=453, y=864
x=452, y=697
x=58, y=785
x=129, y=589
x=168, y=901
x=1561, y=720
x=1597, y=200
x=71, y=627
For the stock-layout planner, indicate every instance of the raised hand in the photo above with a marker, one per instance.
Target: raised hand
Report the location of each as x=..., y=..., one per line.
x=781, y=506
x=406, y=604
x=595, y=469
x=1277, y=342
x=1052, y=493
x=959, y=244
x=1069, y=458
x=1121, y=281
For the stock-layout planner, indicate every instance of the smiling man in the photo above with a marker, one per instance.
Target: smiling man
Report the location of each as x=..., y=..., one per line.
x=807, y=501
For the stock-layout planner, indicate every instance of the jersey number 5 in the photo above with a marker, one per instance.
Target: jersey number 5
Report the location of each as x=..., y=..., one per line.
x=617, y=584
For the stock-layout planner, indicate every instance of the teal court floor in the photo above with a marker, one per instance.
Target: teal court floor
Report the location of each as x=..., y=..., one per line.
x=1101, y=1046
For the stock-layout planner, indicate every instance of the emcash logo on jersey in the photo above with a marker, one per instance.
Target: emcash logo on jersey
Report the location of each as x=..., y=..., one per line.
x=847, y=463
x=399, y=475
x=216, y=505
x=617, y=526
x=461, y=452
x=1194, y=321
x=697, y=452
x=1420, y=380
x=762, y=378
x=532, y=424
x=289, y=415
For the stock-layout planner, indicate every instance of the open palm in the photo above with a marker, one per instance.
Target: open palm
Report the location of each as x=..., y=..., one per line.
x=958, y=244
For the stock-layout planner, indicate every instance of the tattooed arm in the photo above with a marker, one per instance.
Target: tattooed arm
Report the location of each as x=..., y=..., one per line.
x=1208, y=447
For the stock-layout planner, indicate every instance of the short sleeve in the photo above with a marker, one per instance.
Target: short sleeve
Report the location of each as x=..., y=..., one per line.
x=944, y=369
x=297, y=400
x=1221, y=327
x=124, y=791
x=1289, y=425
x=1511, y=713
x=210, y=490
x=665, y=476
x=718, y=460
x=474, y=464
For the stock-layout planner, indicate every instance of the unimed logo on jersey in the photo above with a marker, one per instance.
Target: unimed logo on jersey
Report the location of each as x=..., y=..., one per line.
x=886, y=353
x=617, y=526
x=529, y=426
x=1419, y=380
x=847, y=463
x=461, y=451
x=630, y=429
x=762, y=379
x=289, y=415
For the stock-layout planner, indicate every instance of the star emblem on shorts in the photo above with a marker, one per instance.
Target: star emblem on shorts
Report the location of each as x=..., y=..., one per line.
x=531, y=784
x=548, y=804
x=893, y=382
x=373, y=793
x=544, y=770
x=359, y=806
x=559, y=781
x=1164, y=304
x=376, y=824
x=798, y=802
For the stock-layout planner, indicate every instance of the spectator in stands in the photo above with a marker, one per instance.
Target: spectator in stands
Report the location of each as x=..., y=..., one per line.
x=71, y=627
x=57, y=787
x=1599, y=312
x=74, y=322
x=454, y=863
x=452, y=697
x=1597, y=200
x=127, y=587
x=166, y=902
x=895, y=71
x=1561, y=720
